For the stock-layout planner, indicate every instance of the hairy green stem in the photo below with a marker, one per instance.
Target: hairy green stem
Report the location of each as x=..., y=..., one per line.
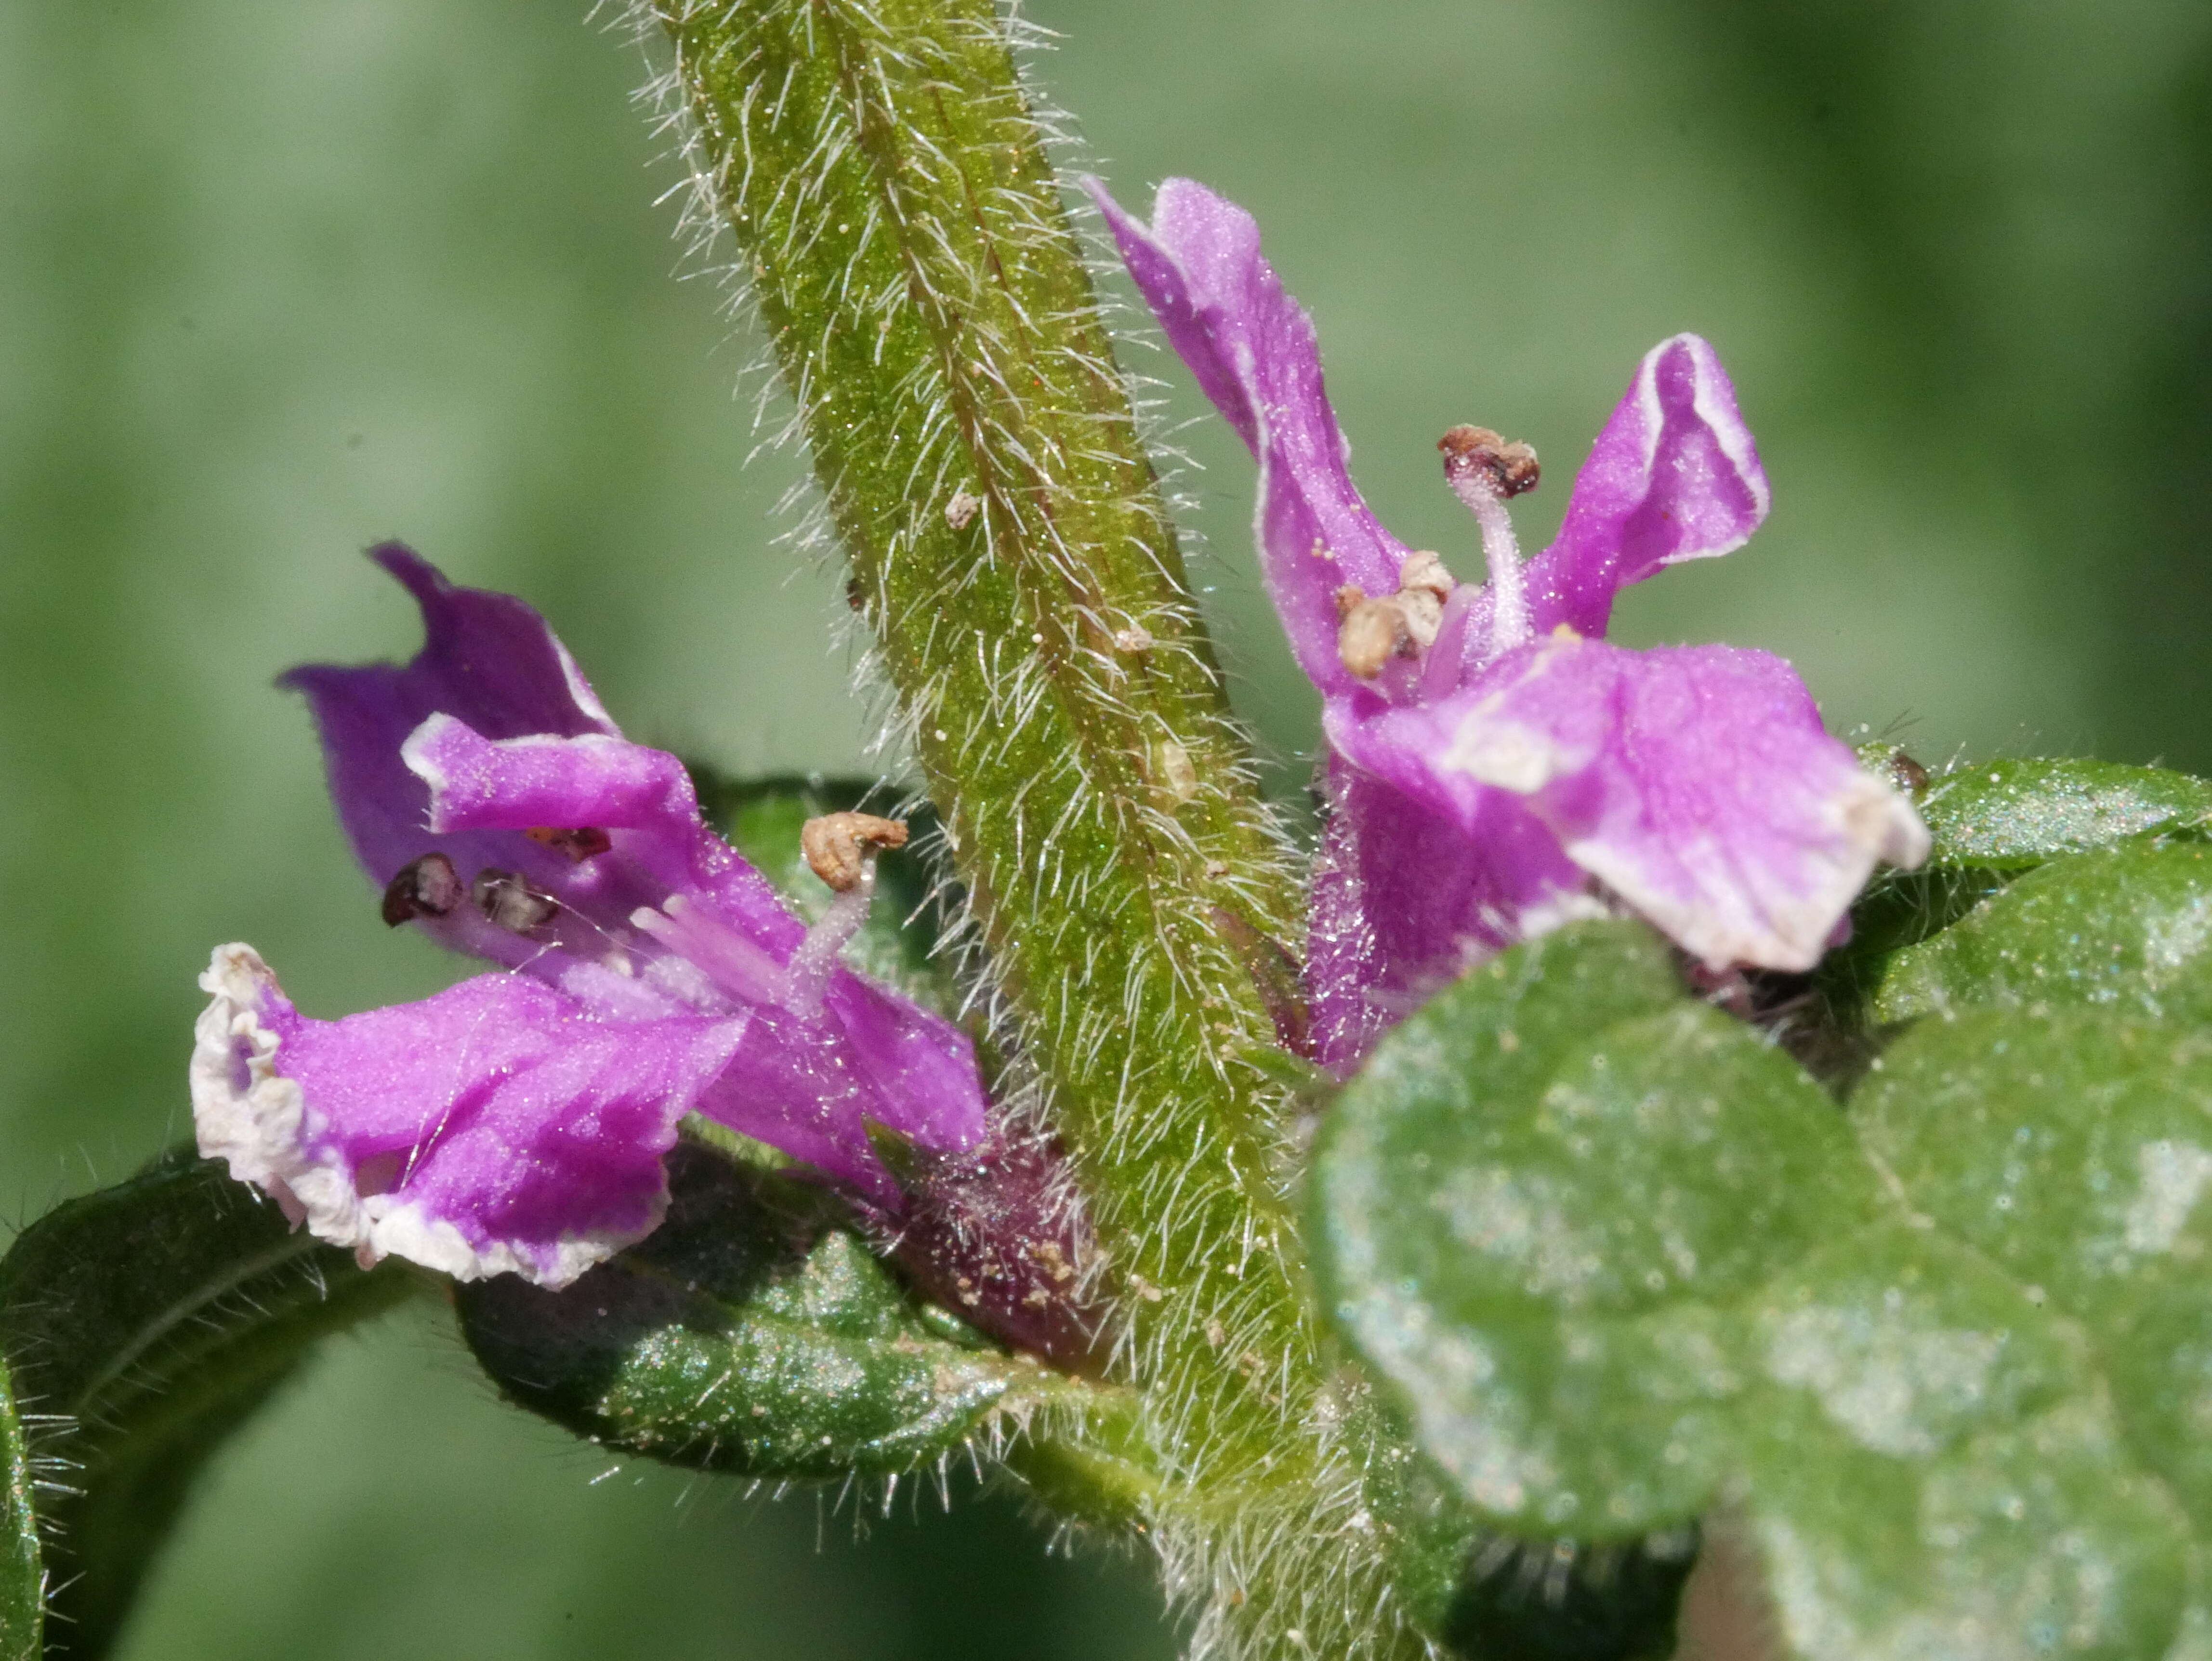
x=22, y=1569
x=898, y=223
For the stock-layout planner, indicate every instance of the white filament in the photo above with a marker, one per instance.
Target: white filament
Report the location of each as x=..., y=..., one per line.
x=1509, y=625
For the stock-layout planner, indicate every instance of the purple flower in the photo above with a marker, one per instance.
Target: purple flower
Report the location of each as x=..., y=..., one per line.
x=517, y=1120
x=1492, y=761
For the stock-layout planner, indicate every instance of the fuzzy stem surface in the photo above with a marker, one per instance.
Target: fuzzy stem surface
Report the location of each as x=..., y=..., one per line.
x=901, y=231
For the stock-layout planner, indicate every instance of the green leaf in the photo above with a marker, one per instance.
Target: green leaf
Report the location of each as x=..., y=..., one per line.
x=2012, y=815
x=2127, y=927
x=1629, y=1263
x=1931, y=1467
x=1905, y=1343
x=2072, y=1149
x=1538, y=1210
x=23, y=1575
x=2035, y=1538
x=1991, y=823
x=151, y=1319
x=751, y=1333
x=2053, y=1159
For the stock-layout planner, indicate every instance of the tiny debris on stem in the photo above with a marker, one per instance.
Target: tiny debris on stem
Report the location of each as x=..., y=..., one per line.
x=961, y=511
x=1172, y=768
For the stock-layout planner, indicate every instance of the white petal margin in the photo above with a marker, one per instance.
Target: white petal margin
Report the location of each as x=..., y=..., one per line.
x=1713, y=400
x=259, y=1123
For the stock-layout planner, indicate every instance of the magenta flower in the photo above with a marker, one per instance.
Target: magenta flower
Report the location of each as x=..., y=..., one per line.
x=517, y=1120
x=1492, y=761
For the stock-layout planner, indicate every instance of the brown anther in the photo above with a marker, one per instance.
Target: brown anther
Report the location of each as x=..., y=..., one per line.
x=1510, y=465
x=580, y=843
x=837, y=845
x=1425, y=616
x=511, y=903
x=1424, y=570
x=1372, y=633
x=427, y=887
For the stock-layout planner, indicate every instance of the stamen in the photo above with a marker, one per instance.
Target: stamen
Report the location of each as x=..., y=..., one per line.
x=837, y=844
x=742, y=971
x=1483, y=469
x=1423, y=569
x=1371, y=630
x=842, y=848
x=427, y=887
x=1440, y=674
x=1511, y=466
x=511, y=903
x=1368, y=632
x=825, y=941
x=1424, y=613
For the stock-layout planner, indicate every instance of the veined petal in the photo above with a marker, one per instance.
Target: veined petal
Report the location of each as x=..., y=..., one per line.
x=479, y=783
x=1253, y=351
x=494, y=713
x=810, y=1085
x=1696, y=782
x=499, y=798
x=1674, y=476
x=487, y=658
x=919, y=1067
x=1405, y=899
x=493, y=1129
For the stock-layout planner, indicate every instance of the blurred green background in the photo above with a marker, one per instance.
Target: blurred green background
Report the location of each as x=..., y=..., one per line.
x=278, y=280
